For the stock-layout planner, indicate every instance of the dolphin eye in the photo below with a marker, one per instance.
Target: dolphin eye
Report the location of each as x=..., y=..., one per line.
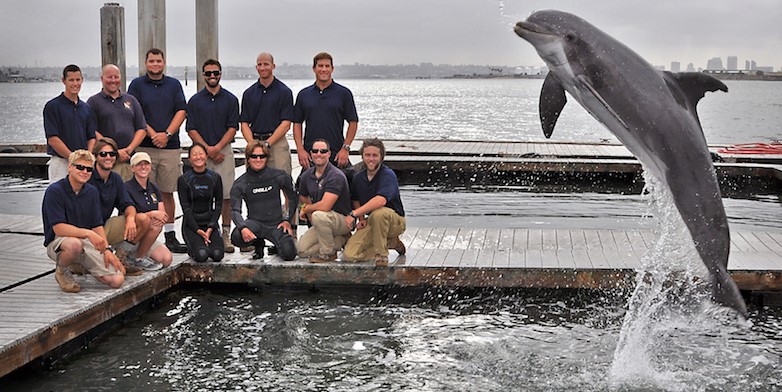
x=570, y=37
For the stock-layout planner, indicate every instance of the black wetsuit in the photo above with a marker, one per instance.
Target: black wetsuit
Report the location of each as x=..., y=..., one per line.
x=201, y=198
x=261, y=192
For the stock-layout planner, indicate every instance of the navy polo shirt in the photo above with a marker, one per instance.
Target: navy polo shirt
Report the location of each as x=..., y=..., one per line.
x=333, y=181
x=145, y=200
x=384, y=184
x=112, y=194
x=62, y=205
x=212, y=115
x=118, y=118
x=160, y=99
x=264, y=108
x=74, y=123
x=324, y=113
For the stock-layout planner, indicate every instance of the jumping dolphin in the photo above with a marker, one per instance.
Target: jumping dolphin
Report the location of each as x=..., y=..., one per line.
x=651, y=112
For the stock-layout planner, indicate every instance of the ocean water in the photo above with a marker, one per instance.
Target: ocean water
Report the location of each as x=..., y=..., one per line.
x=453, y=109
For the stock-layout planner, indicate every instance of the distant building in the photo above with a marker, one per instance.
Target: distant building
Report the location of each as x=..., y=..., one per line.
x=690, y=67
x=764, y=68
x=733, y=63
x=714, y=64
x=659, y=67
x=676, y=66
x=746, y=65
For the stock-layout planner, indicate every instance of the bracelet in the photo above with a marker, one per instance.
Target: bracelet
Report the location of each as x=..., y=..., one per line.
x=303, y=207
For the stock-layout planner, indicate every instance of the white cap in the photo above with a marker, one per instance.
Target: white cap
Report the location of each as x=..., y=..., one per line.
x=139, y=157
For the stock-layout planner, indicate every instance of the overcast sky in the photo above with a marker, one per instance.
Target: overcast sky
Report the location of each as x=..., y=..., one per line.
x=57, y=32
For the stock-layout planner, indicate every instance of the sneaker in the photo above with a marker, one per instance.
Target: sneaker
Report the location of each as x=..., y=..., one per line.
x=321, y=258
x=272, y=250
x=246, y=248
x=130, y=268
x=258, y=252
x=147, y=264
x=173, y=244
x=227, y=245
x=65, y=279
x=397, y=245
x=381, y=261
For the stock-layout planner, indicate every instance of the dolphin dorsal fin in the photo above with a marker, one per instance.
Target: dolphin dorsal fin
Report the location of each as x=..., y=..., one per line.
x=552, y=100
x=694, y=85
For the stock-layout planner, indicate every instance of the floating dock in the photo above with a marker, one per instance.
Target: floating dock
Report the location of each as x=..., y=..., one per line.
x=36, y=318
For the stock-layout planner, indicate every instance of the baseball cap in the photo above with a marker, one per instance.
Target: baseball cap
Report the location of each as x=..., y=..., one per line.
x=139, y=157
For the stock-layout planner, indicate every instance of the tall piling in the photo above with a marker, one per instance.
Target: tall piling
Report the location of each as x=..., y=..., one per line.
x=206, y=36
x=151, y=29
x=112, y=38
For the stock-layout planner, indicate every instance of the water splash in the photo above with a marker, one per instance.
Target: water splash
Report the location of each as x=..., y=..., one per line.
x=671, y=328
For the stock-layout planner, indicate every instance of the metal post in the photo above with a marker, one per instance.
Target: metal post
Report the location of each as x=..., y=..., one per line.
x=112, y=38
x=151, y=29
x=206, y=36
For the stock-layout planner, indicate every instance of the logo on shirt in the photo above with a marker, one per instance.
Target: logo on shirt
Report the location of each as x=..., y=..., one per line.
x=201, y=187
x=262, y=189
x=128, y=105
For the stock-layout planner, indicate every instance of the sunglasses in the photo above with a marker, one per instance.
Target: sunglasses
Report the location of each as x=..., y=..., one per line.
x=211, y=73
x=319, y=150
x=78, y=167
x=257, y=156
x=104, y=154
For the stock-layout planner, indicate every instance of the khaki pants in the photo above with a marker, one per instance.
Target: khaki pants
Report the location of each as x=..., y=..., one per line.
x=280, y=156
x=383, y=224
x=327, y=235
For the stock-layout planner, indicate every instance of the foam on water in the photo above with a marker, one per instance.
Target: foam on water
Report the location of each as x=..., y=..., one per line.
x=672, y=330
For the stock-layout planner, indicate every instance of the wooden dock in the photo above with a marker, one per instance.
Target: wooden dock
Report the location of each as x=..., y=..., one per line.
x=36, y=318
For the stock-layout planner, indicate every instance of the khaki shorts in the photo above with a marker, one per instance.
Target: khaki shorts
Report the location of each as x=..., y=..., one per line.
x=58, y=168
x=280, y=156
x=226, y=169
x=166, y=167
x=90, y=258
x=115, y=229
x=123, y=169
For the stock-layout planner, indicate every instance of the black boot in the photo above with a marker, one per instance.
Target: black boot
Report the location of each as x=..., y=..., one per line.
x=272, y=250
x=259, y=246
x=173, y=244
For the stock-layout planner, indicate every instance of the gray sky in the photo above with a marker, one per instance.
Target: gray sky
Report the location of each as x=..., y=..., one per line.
x=57, y=32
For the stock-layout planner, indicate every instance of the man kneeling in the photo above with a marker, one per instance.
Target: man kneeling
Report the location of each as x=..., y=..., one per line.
x=73, y=227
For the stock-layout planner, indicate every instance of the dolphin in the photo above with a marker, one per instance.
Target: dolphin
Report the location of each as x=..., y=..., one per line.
x=652, y=113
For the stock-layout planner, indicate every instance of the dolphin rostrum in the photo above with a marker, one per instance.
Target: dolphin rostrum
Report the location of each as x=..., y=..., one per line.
x=652, y=113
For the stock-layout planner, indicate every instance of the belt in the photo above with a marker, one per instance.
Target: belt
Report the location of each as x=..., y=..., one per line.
x=263, y=136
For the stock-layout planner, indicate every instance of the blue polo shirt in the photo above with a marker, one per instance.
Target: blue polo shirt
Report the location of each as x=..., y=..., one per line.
x=160, y=99
x=145, y=200
x=62, y=205
x=264, y=108
x=333, y=181
x=118, y=118
x=74, y=123
x=212, y=115
x=324, y=113
x=384, y=184
x=112, y=194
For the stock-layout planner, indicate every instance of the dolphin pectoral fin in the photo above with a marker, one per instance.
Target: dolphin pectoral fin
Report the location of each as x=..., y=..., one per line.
x=552, y=100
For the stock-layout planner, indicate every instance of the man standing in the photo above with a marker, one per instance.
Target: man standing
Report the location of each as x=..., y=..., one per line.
x=120, y=117
x=68, y=123
x=267, y=112
x=325, y=201
x=375, y=192
x=259, y=188
x=213, y=116
x=164, y=106
x=73, y=228
x=324, y=107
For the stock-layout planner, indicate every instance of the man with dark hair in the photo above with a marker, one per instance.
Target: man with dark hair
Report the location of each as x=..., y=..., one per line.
x=68, y=123
x=73, y=227
x=213, y=116
x=120, y=117
x=324, y=106
x=259, y=188
x=377, y=213
x=164, y=106
x=267, y=112
x=325, y=202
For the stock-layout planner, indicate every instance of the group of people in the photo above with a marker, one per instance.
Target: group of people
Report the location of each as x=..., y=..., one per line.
x=122, y=151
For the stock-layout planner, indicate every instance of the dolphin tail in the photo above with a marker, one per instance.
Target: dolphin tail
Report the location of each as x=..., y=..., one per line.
x=725, y=292
x=552, y=100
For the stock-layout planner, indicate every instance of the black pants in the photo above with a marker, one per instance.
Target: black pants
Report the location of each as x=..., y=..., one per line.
x=286, y=247
x=198, y=250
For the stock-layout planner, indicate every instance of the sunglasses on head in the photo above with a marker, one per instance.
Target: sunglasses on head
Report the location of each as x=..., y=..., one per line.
x=104, y=154
x=257, y=156
x=78, y=167
x=212, y=73
x=319, y=150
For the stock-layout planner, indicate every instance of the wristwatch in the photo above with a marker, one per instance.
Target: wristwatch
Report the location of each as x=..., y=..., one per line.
x=346, y=147
x=169, y=134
